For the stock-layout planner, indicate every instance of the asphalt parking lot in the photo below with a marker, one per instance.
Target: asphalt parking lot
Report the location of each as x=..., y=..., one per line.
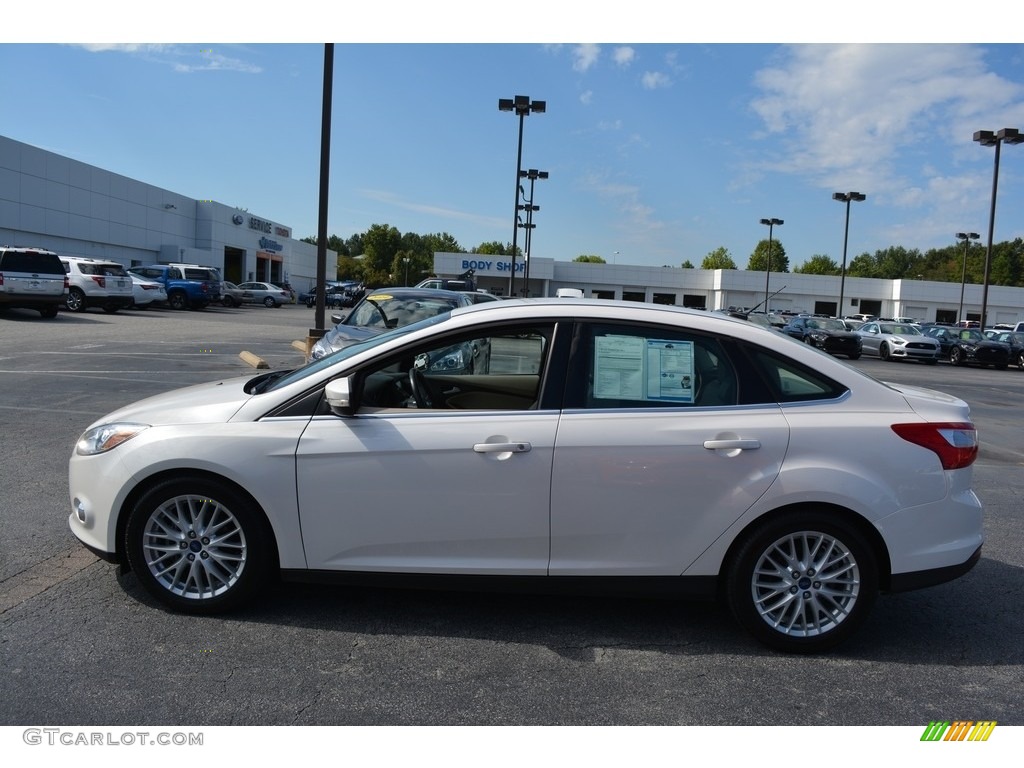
x=78, y=645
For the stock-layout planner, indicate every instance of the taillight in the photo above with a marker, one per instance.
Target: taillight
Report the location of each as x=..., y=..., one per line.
x=67, y=282
x=955, y=443
x=1, y=278
x=100, y=281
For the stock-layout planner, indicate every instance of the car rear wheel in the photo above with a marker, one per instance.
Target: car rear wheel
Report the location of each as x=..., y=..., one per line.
x=269, y=302
x=178, y=300
x=802, y=582
x=76, y=300
x=197, y=545
x=1020, y=360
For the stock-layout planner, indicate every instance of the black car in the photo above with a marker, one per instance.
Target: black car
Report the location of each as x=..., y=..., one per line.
x=1016, y=341
x=337, y=295
x=825, y=333
x=964, y=346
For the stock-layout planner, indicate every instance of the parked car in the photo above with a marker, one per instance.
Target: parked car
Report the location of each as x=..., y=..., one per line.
x=964, y=346
x=610, y=445
x=233, y=296
x=1015, y=339
x=480, y=297
x=898, y=341
x=825, y=333
x=267, y=294
x=188, y=286
x=146, y=293
x=96, y=283
x=387, y=308
x=32, y=278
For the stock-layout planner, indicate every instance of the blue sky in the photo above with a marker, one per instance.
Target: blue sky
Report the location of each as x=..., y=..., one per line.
x=659, y=151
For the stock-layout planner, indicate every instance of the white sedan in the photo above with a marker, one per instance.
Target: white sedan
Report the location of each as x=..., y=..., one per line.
x=626, y=445
x=268, y=294
x=146, y=292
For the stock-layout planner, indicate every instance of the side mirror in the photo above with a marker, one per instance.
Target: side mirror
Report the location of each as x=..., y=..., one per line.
x=339, y=396
x=337, y=317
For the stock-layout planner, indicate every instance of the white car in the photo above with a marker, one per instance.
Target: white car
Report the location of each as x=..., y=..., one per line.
x=898, y=341
x=626, y=445
x=268, y=294
x=146, y=292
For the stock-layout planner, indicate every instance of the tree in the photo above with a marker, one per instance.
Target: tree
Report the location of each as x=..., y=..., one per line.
x=495, y=248
x=718, y=259
x=380, y=245
x=685, y=265
x=590, y=259
x=759, y=258
x=818, y=264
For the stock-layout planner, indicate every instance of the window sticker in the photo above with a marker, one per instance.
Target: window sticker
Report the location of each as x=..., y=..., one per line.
x=635, y=368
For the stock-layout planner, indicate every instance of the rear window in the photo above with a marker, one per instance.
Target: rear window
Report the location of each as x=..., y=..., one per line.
x=201, y=274
x=28, y=261
x=105, y=270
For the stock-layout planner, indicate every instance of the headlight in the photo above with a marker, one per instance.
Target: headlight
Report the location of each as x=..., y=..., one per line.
x=450, y=359
x=320, y=349
x=898, y=341
x=107, y=436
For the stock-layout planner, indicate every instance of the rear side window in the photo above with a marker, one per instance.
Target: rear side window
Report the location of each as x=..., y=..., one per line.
x=33, y=263
x=791, y=382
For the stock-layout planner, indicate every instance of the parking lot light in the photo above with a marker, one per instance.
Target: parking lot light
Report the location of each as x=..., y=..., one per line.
x=770, y=223
x=993, y=139
x=966, y=237
x=845, y=197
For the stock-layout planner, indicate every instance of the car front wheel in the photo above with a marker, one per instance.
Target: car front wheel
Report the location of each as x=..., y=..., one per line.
x=1020, y=360
x=803, y=582
x=883, y=352
x=957, y=356
x=197, y=545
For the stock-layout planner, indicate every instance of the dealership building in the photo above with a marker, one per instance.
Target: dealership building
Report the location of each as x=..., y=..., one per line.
x=75, y=209
x=53, y=202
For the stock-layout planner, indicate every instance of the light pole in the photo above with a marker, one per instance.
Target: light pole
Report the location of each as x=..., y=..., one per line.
x=405, y=261
x=845, y=197
x=770, y=223
x=522, y=106
x=990, y=139
x=966, y=237
x=533, y=174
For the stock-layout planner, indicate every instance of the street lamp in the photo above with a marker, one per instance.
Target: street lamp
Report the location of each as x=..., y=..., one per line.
x=966, y=237
x=522, y=106
x=405, y=261
x=845, y=197
x=533, y=174
x=770, y=223
x=990, y=139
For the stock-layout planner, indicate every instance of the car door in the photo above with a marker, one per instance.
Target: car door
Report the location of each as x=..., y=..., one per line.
x=436, y=472
x=662, y=445
x=871, y=338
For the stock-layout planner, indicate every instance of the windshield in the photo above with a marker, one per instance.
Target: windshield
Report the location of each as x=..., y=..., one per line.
x=383, y=310
x=315, y=367
x=901, y=330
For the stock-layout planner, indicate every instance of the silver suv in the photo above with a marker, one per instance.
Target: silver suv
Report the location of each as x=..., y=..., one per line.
x=31, y=278
x=97, y=283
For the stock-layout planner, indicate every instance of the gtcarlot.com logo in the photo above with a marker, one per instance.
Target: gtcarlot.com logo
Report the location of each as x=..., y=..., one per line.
x=959, y=730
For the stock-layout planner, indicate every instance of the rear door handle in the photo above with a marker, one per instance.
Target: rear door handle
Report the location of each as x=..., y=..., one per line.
x=521, y=447
x=740, y=444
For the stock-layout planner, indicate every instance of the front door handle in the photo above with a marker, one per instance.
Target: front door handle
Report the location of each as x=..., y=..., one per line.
x=737, y=444
x=520, y=447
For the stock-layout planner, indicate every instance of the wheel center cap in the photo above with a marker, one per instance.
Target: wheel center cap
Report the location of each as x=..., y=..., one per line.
x=804, y=582
x=195, y=546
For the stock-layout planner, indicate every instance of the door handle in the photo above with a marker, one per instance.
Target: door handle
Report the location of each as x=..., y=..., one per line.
x=737, y=444
x=502, y=447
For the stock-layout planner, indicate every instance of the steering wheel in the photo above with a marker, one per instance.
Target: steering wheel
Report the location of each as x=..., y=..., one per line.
x=419, y=389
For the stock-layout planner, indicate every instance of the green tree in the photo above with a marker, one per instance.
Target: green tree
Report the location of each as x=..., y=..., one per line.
x=590, y=259
x=720, y=258
x=818, y=264
x=759, y=258
x=685, y=265
x=495, y=248
x=381, y=243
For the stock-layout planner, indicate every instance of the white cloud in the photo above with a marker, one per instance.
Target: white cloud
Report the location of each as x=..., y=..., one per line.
x=653, y=80
x=586, y=97
x=181, y=58
x=585, y=56
x=852, y=114
x=624, y=55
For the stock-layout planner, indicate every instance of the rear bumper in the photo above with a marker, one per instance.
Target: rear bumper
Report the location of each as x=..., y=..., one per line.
x=905, y=582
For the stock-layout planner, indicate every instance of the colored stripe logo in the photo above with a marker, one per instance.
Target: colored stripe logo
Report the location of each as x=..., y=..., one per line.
x=959, y=730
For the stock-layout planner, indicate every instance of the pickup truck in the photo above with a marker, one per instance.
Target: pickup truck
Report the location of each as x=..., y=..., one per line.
x=188, y=286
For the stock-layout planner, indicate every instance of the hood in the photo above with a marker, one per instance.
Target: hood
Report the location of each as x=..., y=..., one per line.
x=212, y=403
x=341, y=336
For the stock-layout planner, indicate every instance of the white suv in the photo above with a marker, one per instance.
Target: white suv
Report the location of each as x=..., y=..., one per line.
x=31, y=278
x=97, y=283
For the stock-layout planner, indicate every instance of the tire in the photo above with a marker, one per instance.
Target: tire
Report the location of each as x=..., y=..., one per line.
x=48, y=312
x=269, y=302
x=777, y=595
x=177, y=300
x=185, y=570
x=957, y=356
x=1020, y=358
x=883, y=352
x=75, y=301
x=227, y=301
